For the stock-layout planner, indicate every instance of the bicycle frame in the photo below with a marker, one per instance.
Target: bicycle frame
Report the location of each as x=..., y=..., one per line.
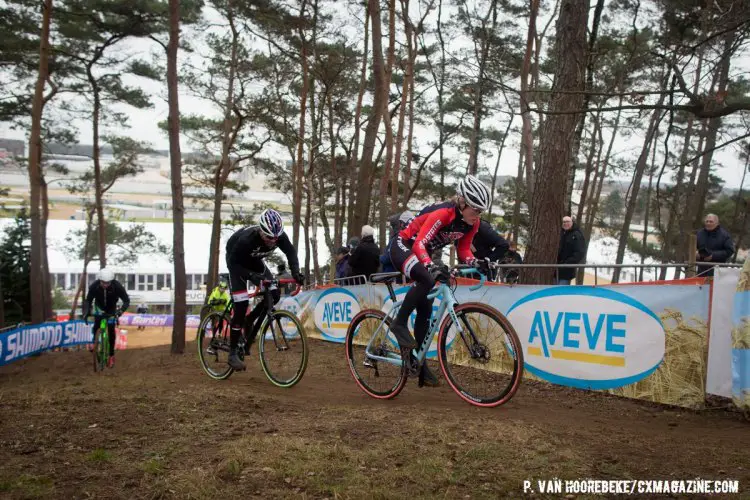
x=448, y=302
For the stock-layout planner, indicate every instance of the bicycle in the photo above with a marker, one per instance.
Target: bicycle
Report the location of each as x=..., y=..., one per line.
x=372, y=348
x=281, y=333
x=101, y=342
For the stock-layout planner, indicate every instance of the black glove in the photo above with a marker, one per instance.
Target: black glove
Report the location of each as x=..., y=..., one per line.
x=439, y=272
x=255, y=279
x=299, y=278
x=482, y=265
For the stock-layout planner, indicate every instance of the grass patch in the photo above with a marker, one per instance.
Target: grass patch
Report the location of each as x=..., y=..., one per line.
x=99, y=455
x=28, y=486
x=154, y=465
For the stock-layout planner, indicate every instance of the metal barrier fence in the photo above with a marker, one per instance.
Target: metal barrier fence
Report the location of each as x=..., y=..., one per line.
x=629, y=272
x=606, y=271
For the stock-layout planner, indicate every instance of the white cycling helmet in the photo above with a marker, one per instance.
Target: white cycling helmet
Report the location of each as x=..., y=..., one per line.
x=474, y=192
x=105, y=275
x=270, y=223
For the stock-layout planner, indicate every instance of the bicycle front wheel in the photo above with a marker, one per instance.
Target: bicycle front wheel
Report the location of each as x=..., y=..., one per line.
x=283, y=348
x=101, y=350
x=483, y=363
x=378, y=378
x=213, y=346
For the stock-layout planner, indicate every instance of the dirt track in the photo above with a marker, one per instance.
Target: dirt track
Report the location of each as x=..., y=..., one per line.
x=156, y=426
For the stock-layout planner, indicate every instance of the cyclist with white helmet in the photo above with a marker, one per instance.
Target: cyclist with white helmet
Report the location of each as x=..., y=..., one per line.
x=104, y=294
x=433, y=228
x=246, y=250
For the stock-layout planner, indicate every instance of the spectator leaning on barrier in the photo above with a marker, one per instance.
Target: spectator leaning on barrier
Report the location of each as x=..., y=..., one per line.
x=714, y=245
x=572, y=250
x=365, y=259
x=488, y=244
x=342, y=262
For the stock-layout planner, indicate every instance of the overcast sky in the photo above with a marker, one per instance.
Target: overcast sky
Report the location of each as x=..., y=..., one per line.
x=143, y=125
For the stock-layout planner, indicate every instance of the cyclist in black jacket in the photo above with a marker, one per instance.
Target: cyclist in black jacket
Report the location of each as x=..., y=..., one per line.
x=246, y=250
x=104, y=294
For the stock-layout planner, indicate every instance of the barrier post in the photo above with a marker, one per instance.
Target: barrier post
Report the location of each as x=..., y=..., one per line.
x=692, y=244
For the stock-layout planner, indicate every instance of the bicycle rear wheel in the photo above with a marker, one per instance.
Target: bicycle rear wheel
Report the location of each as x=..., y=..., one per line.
x=213, y=346
x=283, y=348
x=484, y=363
x=101, y=350
x=377, y=378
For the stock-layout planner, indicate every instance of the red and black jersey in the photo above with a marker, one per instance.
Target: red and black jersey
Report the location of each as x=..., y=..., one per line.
x=436, y=226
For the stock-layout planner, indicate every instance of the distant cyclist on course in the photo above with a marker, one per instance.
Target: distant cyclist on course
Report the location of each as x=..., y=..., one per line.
x=246, y=250
x=104, y=294
x=434, y=227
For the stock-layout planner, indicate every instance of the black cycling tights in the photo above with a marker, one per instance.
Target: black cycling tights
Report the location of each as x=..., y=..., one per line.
x=416, y=298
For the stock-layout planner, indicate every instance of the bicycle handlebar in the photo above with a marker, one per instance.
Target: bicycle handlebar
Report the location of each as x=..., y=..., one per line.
x=284, y=281
x=462, y=269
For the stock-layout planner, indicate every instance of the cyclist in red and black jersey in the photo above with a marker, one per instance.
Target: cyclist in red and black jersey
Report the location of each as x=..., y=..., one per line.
x=435, y=227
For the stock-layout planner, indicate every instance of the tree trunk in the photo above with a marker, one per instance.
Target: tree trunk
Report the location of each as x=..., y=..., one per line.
x=35, y=169
x=516, y=220
x=587, y=98
x=640, y=167
x=229, y=135
x=743, y=230
x=737, y=203
x=527, y=140
x=644, y=241
x=387, y=122
x=479, y=88
x=86, y=258
x=405, y=88
x=441, y=101
x=46, y=284
x=594, y=201
x=714, y=124
x=299, y=169
x=410, y=133
x=670, y=247
x=175, y=160
x=552, y=173
x=497, y=162
x=580, y=219
x=364, y=192
x=339, y=183
x=357, y=124
x=95, y=153
x=589, y=167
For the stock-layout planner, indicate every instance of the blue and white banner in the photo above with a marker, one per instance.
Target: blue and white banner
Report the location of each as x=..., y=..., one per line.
x=642, y=341
x=27, y=340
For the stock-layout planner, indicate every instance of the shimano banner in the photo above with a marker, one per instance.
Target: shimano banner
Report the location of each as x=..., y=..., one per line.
x=27, y=340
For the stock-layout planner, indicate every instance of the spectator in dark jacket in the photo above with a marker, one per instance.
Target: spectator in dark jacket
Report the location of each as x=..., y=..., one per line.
x=365, y=258
x=342, y=262
x=714, y=245
x=572, y=250
x=488, y=244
